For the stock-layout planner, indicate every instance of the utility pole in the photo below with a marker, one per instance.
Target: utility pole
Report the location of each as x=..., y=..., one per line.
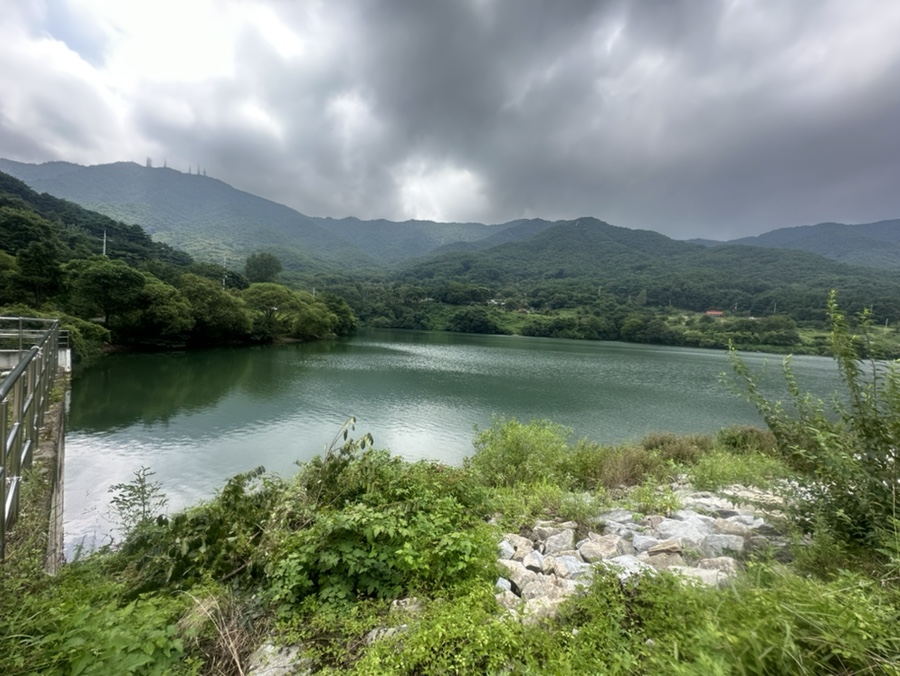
x=104, y=242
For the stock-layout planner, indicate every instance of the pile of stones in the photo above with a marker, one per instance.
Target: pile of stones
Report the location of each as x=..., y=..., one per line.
x=704, y=542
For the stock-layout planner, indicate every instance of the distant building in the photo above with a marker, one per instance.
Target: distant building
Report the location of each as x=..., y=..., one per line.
x=714, y=313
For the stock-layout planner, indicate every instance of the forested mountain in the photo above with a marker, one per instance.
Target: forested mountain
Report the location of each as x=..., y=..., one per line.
x=200, y=215
x=593, y=256
x=79, y=231
x=211, y=220
x=108, y=280
x=872, y=244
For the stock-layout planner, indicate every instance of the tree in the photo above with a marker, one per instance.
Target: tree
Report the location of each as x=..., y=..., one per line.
x=473, y=320
x=39, y=273
x=218, y=316
x=109, y=287
x=262, y=267
x=274, y=307
x=21, y=227
x=160, y=313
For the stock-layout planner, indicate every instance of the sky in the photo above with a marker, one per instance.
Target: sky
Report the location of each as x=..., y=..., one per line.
x=694, y=118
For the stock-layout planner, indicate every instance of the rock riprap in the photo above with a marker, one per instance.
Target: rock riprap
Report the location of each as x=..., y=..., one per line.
x=703, y=542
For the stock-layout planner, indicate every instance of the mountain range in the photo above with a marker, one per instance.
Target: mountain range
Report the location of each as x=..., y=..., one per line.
x=784, y=269
x=213, y=221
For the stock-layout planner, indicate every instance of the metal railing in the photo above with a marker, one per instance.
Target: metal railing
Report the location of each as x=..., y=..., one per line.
x=24, y=398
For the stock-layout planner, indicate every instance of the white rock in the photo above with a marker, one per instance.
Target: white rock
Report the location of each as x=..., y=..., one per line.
x=534, y=561
x=717, y=545
x=726, y=564
x=601, y=547
x=710, y=578
x=642, y=543
x=560, y=542
x=508, y=600
x=505, y=550
x=682, y=530
x=518, y=574
x=569, y=567
x=626, y=566
x=270, y=660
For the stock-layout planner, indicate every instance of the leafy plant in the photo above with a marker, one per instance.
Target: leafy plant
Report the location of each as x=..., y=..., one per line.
x=510, y=452
x=850, y=457
x=138, y=501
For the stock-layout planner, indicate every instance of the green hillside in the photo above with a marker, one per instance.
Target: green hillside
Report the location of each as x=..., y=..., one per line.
x=203, y=216
x=875, y=245
x=589, y=254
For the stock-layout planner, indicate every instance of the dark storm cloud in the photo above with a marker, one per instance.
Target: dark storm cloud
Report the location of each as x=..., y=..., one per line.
x=692, y=118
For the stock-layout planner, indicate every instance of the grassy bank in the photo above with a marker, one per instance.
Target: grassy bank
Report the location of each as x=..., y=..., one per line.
x=317, y=560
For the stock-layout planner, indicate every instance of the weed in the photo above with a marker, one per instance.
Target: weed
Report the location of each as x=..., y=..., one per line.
x=510, y=453
x=719, y=469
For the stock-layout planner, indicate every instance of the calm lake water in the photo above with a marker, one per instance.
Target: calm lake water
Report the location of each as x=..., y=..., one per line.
x=197, y=418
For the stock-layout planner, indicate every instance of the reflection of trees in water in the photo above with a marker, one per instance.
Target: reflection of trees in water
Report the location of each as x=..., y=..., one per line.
x=120, y=390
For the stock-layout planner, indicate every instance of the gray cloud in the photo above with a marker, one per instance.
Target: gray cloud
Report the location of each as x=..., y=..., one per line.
x=694, y=119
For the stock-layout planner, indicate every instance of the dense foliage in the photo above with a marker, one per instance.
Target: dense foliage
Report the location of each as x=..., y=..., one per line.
x=850, y=454
x=111, y=282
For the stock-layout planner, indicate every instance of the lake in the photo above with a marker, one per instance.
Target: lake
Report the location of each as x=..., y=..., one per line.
x=197, y=418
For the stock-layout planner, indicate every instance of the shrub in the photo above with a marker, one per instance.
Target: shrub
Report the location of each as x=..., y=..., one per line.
x=719, y=469
x=680, y=449
x=744, y=438
x=217, y=540
x=361, y=523
x=510, y=453
x=850, y=457
x=591, y=466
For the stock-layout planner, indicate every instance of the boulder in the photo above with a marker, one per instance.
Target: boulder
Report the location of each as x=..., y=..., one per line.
x=508, y=600
x=717, y=545
x=627, y=566
x=641, y=543
x=560, y=542
x=686, y=532
x=665, y=547
x=569, y=567
x=728, y=527
x=664, y=561
x=710, y=578
x=534, y=561
x=725, y=564
x=271, y=660
x=600, y=547
x=516, y=573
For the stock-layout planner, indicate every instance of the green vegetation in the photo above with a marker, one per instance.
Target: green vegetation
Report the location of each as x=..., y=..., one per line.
x=319, y=558
x=138, y=292
x=581, y=279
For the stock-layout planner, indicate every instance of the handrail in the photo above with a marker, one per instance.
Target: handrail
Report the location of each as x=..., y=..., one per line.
x=24, y=398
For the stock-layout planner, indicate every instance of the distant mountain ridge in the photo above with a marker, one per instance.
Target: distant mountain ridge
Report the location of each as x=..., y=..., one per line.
x=212, y=220
x=874, y=245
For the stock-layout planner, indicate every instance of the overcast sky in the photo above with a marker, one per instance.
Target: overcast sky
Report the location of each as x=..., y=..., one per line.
x=695, y=118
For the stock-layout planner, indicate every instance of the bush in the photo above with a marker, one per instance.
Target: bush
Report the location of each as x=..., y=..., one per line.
x=510, y=453
x=849, y=457
x=360, y=523
x=680, y=449
x=744, y=438
x=591, y=466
